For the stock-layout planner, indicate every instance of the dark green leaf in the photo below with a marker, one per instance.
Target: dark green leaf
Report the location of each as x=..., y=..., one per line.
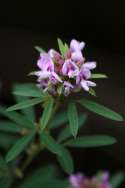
x=117, y=179
x=58, y=120
x=19, y=146
x=91, y=141
x=4, y=171
x=46, y=173
x=9, y=127
x=17, y=118
x=101, y=110
x=66, y=133
x=50, y=143
x=25, y=104
x=39, y=49
x=28, y=90
x=5, y=182
x=73, y=118
x=66, y=161
x=47, y=184
x=28, y=112
x=46, y=114
x=95, y=76
x=7, y=140
x=92, y=92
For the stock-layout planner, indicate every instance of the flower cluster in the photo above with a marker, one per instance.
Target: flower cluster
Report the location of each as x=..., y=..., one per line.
x=65, y=73
x=81, y=181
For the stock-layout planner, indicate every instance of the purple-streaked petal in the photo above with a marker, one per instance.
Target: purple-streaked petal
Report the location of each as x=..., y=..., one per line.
x=84, y=85
x=54, y=54
x=77, y=56
x=85, y=73
x=70, y=69
x=55, y=78
x=45, y=62
x=90, y=65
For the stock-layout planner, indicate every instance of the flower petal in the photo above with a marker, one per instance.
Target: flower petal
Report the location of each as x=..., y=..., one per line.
x=90, y=65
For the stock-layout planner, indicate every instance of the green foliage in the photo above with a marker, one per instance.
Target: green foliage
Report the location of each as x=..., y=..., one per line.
x=117, y=179
x=66, y=133
x=66, y=161
x=50, y=143
x=6, y=140
x=25, y=104
x=19, y=119
x=3, y=168
x=73, y=118
x=100, y=109
x=19, y=146
x=91, y=141
x=63, y=47
x=28, y=90
x=39, y=49
x=96, y=76
x=28, y=112
x=39, y=176
x=58, y=120
x=8, y=126
x=92, y=92
x=54, y=183
x=46, y=114
x=5, y=182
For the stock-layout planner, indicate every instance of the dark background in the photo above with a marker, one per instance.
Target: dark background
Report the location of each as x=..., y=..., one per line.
x=101, y=24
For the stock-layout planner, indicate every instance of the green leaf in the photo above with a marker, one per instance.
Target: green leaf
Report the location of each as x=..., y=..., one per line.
x=92, y=92
x=8, y=126
x=66, y=161
x=100, y=109
x=39, y=49
x=54, y=183
x=19, y=146
x=59, y=119
x=66, y=133
x=73, y=118
x=50, y=143
x=25, y=104
x=19, y=119
x=96, y=76
x=46, y=114
x=6, y=140
x=117, y=179
x=91, y=141
x=4, y=170
x=28, y=112
x=62, y=47
x=28, y=90
x=40, y=175
x=5, y=182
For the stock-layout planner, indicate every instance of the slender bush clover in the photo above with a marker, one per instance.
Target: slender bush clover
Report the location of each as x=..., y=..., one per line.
x=59, y=75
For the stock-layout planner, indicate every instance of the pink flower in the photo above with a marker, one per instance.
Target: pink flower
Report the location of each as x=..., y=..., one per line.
x=84, y=75
x=70, y=69
x=77, y=56
x=81, y=181
x=54, y=55
x=46, y=65
x=45, y=62
x=76, y=45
